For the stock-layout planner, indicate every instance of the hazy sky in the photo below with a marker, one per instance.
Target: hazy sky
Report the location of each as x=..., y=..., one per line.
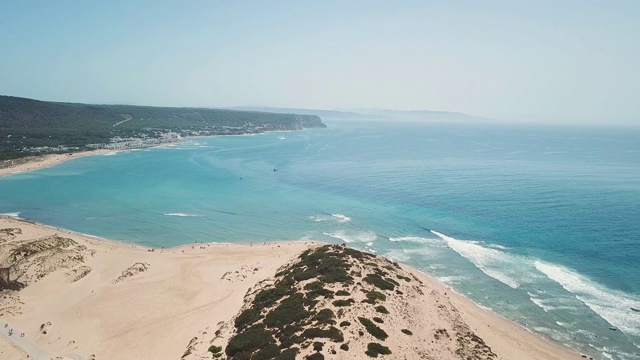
x=535, y=60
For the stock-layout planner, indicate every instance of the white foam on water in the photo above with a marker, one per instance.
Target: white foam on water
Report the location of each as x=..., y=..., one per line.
x=398, y=255
x=414, y=239
x=541, y=303
x=587, y=334
x=360, y=237
x=554, y=334
x=12, y=214
x=500, y=247
x=182, y=215
x=495, y=263
x=110, y=153
x=333, y=217
x=450, y=279
x=607, y=352
x=612, y=305
x=341, y=218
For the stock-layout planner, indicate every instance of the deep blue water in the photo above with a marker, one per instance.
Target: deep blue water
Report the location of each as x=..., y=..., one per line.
x=539, y=224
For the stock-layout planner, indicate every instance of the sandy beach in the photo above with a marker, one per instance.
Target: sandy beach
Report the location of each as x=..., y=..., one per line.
x=90, y=298
x=42, y=161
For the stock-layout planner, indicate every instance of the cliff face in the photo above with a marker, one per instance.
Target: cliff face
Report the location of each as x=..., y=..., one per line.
x=310, y=121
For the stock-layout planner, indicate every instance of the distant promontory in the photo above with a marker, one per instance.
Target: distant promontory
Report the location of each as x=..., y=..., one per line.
x=31, y=127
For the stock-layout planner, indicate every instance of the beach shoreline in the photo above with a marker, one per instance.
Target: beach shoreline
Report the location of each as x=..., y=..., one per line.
x=188, y=269
x=36, y=162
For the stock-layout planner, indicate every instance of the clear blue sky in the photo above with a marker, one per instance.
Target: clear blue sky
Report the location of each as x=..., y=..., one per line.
x=551, y=61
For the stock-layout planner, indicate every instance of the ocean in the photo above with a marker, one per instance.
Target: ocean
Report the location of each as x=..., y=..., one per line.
x=540, y=224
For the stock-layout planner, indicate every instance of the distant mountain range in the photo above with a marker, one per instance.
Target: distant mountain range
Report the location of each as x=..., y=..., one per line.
x=377, y=114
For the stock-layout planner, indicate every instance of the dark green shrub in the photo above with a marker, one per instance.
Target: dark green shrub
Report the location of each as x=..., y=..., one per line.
x=344, y=347
x=378, y=320
x=215, y=349
x=290, y=311
x=242, y=356
x=288, y=354
x=328, y=265
x=381, y=309
x=369, y=301
x=375, y=349
x=407, y=331
x=377, y=281
x=340, y=302
x=247, y=317
x=254, y=338
x=316, y=289
x=288, y=337
x=268, y=352
x=288, y=342
x=392, y=281
x=379, y=271
x=315, y=356
x=317, y=346
x=375, y=295
x=325, y=316
x=405, y=278
x=342, y=293
x=332, y=333
x=345, y=323
x=373, y=329
x=358, y=255
x=268, y=297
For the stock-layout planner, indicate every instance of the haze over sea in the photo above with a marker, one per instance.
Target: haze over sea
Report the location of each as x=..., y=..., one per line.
x=539, y=224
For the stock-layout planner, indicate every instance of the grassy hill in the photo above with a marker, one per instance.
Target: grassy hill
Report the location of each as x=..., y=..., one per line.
x=30, y=126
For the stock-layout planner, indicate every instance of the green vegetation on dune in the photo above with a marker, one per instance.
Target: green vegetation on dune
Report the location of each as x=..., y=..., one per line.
x=29, y=127
x=375, y=349
x=373, y=329
x=297, y=312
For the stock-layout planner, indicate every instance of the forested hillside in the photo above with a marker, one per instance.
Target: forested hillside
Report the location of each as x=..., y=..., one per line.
x=28, y=126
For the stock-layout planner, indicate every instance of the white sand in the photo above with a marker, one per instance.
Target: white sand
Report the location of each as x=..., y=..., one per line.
x=182, y=293
x=153, y=314
x=43, y=161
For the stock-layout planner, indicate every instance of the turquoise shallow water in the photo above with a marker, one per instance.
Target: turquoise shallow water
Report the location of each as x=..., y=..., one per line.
x=538, y=224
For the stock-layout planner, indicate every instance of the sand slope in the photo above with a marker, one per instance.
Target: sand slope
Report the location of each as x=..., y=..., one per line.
x=133, y=303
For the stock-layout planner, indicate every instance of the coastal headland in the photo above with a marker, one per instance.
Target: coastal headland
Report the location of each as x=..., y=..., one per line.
x=69, y=295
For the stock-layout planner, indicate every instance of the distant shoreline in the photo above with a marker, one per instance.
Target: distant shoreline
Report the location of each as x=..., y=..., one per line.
x=36, y=162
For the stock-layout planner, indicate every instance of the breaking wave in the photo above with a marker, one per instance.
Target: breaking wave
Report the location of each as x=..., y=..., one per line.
x=612, y=305
x=12, y=214
x=360, y=237
x=332, y=217
x=495, y=263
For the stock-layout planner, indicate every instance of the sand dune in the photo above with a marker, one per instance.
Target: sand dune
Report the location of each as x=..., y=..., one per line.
x=88, y=298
